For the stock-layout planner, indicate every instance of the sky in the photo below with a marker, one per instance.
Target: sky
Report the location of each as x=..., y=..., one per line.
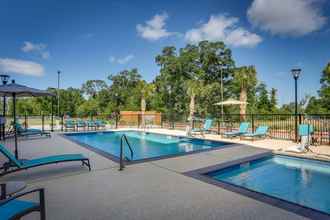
x=91, y=39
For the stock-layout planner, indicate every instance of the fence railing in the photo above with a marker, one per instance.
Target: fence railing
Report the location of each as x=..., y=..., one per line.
x=281, y=126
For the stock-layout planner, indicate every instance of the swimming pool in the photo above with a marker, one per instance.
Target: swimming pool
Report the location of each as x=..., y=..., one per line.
x=145, y=145
x=301, y=181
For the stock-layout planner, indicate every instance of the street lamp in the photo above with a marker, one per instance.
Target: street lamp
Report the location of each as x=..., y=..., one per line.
x=295, y=73
x=58, y=92
x=4, y=79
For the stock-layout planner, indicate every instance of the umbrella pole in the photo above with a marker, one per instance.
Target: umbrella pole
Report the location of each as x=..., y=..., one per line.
x=15, y=131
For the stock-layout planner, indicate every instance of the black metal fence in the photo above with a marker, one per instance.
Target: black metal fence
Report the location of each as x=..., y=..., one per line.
x=281, y=126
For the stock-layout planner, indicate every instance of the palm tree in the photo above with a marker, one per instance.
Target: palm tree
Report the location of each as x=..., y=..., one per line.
x=146, y=90
x=246, y=78
x=194, y=87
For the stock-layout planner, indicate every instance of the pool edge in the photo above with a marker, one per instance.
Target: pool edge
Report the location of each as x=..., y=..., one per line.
x=201, y=174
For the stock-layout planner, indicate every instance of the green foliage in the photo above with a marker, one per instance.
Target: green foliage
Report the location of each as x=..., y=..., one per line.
x=189, y=80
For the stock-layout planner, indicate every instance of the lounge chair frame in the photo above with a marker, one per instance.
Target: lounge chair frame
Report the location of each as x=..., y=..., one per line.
x=40, y=208
x=8, y=166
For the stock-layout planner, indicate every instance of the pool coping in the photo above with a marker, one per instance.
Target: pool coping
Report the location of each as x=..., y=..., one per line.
x=201, y=174
x=116, y=159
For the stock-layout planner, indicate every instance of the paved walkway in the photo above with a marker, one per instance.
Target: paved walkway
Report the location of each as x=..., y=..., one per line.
x=150, y=190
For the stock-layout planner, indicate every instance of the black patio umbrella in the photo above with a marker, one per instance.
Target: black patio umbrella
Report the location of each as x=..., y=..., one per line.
x=16, y=90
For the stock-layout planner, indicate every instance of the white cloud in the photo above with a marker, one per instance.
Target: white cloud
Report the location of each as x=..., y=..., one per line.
x=122, y=60
x=21, y=67
x=154, y=29
x=223, y=28
x=289, y=17
x=39, y=48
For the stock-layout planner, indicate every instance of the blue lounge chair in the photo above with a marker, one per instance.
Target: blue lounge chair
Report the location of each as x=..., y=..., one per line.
x=305, y=130
x=243, y=129
x=15, y=165
x=100, y=123
x=15, y=208
x=91, y=124
x=80, y=124
x=69, y=124
x=207, y=126
x=261, y=132
x=29, y=131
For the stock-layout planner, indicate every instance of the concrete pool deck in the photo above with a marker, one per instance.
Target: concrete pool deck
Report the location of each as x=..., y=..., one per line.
x=149, y=190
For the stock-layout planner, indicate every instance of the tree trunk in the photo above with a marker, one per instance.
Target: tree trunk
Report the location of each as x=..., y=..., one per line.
x=243, y=98
x=143, y=109
x=191, y=112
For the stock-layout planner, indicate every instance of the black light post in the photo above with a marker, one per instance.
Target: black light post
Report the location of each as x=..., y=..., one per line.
x=58, y=92
x=295, y=74
x=4, y=79
x=117, y=109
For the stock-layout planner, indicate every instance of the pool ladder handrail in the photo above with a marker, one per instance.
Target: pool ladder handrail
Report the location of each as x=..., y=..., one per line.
x=121, y=158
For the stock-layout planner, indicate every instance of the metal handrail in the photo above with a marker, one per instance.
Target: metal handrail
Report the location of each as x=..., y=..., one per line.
x=121, y=159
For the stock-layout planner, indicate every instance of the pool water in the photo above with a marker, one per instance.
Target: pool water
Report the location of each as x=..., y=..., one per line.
x=301, y=181
x=145, y=145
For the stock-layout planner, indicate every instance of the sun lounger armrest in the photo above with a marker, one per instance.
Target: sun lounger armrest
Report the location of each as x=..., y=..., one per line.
x=41, y=196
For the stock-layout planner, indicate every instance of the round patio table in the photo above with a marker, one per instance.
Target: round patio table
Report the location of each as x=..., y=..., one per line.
x=10, y=188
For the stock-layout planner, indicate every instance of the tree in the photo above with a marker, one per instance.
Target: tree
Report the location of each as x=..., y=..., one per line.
x=246, y=78
x=273, y=100
x=324, y=92
x=123, y=90
x=146, y=90
x=92, y=87
x=263, y=103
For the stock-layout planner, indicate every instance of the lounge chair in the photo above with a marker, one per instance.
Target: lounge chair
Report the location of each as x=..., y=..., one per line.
x=261, y=132
x=80, y=124
x=69, y=124
x=100, y=124
x=15, y=208
x=243, y=129
x=29, y=131
x=206, y=127
x=305, y=132
x=15, y=165
x=91, y=124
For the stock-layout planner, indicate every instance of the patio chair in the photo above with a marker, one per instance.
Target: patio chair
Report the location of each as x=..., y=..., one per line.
x=80, y=124
x=15, y=208
x=15, y=165
x=91, y=124
x=305, y=132
x=261, y=132
x=100, y=124
x=206, y=127
x=243, y=129
x=69, y=124
x=29, y=131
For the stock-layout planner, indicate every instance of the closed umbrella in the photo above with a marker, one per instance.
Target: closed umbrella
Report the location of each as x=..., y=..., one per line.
x=16, y=90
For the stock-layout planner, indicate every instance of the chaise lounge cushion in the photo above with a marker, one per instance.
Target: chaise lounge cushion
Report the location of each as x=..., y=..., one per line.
x=52, y=159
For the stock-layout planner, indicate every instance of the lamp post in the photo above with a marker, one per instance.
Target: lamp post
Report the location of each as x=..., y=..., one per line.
x=58, y=92
x=295, y=74
x=4, y=79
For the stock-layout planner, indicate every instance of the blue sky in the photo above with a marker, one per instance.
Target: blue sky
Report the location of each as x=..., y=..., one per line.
x=91, y=39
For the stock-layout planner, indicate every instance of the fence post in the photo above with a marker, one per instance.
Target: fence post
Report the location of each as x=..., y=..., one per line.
x=116, y=120
x=62, y=122
x=300, y=116
x=218, y=126
x=42, y=122
x=25, y=120
x=252, y=119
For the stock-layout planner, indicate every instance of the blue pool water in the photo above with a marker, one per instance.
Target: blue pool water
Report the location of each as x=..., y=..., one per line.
x=145, y=145
x=302, y=181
